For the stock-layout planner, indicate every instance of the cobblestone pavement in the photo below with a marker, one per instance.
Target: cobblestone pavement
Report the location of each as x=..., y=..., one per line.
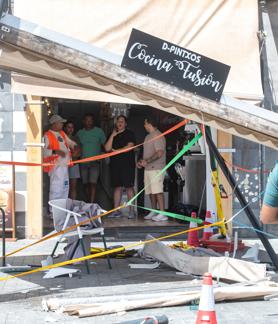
x=20, y=298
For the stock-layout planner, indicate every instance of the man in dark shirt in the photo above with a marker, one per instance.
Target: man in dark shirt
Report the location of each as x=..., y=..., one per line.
x=122, y=165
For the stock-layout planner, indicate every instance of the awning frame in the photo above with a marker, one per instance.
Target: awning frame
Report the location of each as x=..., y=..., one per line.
x=230, y=115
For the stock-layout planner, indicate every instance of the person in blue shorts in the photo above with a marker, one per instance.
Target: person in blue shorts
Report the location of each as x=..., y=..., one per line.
x=269, y=212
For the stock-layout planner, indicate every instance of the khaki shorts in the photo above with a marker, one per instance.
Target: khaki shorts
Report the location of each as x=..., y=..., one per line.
x=90, y=172
x=153, y=183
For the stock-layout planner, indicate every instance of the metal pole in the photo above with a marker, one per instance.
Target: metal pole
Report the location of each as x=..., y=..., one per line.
x=3, y=237
x=252, y=218
x=4, y=5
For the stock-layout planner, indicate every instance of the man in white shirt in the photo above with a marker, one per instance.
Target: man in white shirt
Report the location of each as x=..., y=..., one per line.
x=57, y=155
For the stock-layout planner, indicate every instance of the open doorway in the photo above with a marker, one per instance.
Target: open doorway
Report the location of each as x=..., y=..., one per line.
x=175, y=193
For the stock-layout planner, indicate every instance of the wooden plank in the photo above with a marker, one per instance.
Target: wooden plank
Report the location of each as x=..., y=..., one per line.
x=92, y=306
x=225, y=140
x=34, y=219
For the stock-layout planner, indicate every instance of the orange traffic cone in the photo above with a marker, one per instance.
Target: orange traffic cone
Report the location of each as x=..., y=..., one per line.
x=192, y=238
x=207, y=233
x=206, y=312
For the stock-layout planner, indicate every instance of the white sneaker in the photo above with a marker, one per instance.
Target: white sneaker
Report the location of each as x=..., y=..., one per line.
x=150, y=215
x=159, y=218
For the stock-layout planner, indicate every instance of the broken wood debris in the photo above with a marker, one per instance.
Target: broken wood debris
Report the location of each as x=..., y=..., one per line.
x=220, y=267
x=60, y=271
x=114, y=304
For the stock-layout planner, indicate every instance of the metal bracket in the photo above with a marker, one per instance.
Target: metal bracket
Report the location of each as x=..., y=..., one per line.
x=226, y=150
x=34, y=102
x=5, y=29
x=34, y=144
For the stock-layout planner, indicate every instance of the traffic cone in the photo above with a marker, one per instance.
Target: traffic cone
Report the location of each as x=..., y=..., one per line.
x=206, y=312
x=192, y=238
x=207, y=232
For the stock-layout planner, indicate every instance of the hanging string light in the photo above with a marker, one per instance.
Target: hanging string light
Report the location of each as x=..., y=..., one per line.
x=49, y=107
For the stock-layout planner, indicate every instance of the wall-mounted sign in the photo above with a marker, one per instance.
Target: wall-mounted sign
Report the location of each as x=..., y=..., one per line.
x=7, y=197
x=175, y=65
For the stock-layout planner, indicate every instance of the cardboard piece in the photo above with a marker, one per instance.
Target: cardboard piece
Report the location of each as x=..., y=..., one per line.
x=144, y=265
x=58, y=272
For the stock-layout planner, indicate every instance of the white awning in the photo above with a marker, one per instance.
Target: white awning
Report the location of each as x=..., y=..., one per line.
x=222, y=30
x=47, y=88
x=32, y=50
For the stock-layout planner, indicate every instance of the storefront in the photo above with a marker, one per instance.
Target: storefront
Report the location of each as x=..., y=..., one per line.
x=104, y=116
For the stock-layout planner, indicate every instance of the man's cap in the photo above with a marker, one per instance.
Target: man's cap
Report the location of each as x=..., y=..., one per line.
x=56, y=119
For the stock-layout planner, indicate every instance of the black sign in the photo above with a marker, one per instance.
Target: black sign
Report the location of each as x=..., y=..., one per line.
x=175, y=65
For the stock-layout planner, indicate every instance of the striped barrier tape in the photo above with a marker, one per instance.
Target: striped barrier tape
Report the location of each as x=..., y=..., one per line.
x=104, y=155
x=179, y=155
x=173, y=215
x=93, y=256
x=187, y=147
x=120, y=249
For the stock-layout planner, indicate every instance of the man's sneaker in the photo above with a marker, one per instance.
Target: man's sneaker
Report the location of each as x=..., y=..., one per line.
x=150, y=215
x=115, y=214
x=159, y=218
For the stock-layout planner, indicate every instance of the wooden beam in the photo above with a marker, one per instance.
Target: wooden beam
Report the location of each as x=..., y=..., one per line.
x=34, y=219
x=225, y=140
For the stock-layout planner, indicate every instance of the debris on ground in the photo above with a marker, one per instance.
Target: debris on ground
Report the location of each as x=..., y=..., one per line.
x=84, y=307
x=59, y=272
x=252, y=254
x=222, y=267
x=149, y=266
x=158, y=319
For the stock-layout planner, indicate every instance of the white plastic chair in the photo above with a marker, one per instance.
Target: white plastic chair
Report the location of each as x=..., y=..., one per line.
x=61, y=216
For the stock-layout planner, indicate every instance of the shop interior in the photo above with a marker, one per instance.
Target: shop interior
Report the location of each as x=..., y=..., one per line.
x=184, y=183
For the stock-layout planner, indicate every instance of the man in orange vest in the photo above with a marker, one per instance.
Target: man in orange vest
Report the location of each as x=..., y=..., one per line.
x=57, y=155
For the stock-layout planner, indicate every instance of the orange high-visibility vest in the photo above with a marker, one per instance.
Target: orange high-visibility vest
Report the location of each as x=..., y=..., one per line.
x=53, y=145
